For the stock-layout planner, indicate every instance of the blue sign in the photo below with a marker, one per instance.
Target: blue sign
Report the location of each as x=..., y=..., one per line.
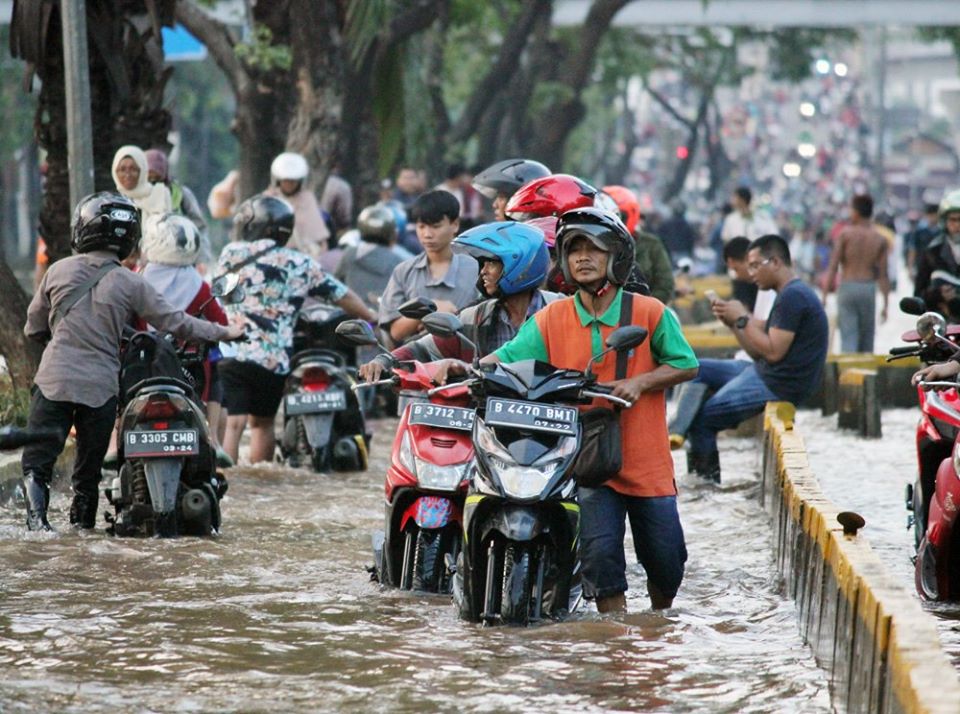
x=180, y=46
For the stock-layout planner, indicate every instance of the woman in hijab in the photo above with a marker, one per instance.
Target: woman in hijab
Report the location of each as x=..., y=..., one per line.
x=130, y=171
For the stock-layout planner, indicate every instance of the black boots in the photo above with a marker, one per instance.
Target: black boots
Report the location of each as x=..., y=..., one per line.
x=706, y=466
x=37, y=495
x=83, y=510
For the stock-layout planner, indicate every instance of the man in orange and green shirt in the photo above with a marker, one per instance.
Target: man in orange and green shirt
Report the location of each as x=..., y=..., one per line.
x=596, y=253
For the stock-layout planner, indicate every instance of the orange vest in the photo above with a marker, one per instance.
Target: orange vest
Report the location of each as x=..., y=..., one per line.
x=647, y=463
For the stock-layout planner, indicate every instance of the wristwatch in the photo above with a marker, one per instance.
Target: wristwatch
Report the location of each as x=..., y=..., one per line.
x=741, y=322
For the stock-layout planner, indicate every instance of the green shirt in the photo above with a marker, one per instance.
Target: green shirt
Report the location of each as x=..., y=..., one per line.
x=668, y=345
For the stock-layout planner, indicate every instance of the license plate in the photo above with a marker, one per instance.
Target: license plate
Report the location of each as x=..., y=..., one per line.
x=550, y=418
x=444, y=417
x=331, y=400
x=173, y=442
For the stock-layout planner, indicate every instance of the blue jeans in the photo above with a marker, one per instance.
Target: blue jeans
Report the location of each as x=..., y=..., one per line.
x=657, y=539
x=739, y=393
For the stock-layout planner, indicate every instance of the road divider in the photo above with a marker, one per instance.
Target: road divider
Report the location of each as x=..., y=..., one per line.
x=881, y=650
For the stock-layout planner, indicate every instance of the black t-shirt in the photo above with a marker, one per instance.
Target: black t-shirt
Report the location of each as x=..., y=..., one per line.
x=798, y=310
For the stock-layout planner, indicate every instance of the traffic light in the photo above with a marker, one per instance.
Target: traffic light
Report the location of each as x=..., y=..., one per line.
x=682, y=152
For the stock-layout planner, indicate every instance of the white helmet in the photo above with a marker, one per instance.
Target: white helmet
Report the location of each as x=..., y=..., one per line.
x=170, y=239
x=950, y=203
x=289, y=166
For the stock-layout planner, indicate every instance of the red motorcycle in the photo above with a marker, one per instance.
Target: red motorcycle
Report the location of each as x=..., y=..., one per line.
x=426, y=483
x=935, y=496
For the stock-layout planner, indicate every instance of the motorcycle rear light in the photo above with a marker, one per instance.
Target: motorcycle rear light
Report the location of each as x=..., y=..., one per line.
x=158, y=408
x=161, y=425
x=315, y=380
x=443, y=443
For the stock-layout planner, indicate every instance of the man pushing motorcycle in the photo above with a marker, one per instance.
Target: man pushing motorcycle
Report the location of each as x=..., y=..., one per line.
x=596, y=253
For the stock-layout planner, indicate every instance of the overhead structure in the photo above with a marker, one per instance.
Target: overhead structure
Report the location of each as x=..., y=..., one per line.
x=771, y=13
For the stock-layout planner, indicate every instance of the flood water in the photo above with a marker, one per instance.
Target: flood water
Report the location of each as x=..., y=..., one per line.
x=869, y=476
x=279, y=613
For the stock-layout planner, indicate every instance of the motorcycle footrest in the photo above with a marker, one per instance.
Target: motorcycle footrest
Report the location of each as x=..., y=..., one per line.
x=450, y=563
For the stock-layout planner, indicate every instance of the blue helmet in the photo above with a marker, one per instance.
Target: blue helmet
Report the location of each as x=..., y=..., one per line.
x=520, y=247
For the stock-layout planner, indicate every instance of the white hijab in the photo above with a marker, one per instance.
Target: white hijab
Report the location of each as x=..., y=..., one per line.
x=150, y=197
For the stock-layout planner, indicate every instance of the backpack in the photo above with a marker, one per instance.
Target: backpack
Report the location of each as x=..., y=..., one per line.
x=148, y=355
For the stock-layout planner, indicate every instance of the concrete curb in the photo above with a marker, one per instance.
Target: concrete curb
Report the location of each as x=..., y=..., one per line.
x=858, y=405
x=881, y=650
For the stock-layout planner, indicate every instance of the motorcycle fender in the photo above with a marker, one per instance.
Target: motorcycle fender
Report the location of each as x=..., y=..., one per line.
x=430, y=512
x=516, y=523
x=317, y=427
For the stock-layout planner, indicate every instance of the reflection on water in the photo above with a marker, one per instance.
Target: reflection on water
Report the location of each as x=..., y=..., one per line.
x=872, y=481
x=279, y=613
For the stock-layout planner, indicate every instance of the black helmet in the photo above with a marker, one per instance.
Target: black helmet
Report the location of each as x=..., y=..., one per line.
x=377, y=224
x=105, y=221
x=508, y=176
x=604, y=230
x=262, y=217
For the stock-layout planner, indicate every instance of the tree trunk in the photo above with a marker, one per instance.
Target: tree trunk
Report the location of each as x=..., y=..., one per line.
x=22, y=355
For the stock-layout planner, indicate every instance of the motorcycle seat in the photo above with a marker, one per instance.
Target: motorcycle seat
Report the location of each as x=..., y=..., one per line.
x=323, y=356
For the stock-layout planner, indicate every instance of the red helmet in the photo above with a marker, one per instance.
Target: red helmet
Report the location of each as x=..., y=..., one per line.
x=628, y=203
x=550, y=196
x=548, y=224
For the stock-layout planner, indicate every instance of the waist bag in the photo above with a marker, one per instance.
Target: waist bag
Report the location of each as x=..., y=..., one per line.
x=601, y=448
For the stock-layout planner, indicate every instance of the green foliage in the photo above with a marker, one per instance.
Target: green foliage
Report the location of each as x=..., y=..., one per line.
x=14, y=405
x=261, y=53
x=388, y=107
x=938, y=33
x=17, y=107
x=794, y=50
x=203, y=108
x=365, y=20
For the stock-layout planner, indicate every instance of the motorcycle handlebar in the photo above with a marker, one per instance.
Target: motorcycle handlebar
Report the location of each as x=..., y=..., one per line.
x=904, y=351
x=934, y=385
x=616, y=400
x=378, y=383
x=436, y=390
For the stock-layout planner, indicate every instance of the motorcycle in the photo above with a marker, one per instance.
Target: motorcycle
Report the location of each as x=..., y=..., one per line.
x=167, y=483
x=426, y=481
x=521, y=519
x=931, y=499
x=322, y=417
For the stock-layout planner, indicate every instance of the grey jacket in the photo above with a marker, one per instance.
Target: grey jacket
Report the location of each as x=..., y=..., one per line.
x=81, y=363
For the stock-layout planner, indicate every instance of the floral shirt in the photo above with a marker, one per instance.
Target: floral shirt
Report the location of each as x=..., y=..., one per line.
x=275, y=286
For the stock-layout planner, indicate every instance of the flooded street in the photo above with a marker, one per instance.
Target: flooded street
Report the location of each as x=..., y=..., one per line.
x=279, y=612
x=869, y=476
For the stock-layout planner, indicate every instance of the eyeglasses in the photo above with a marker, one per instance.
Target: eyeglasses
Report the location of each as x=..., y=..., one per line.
x=756, y=265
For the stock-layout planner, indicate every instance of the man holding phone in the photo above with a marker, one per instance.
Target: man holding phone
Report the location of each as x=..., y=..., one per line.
x=788, y=349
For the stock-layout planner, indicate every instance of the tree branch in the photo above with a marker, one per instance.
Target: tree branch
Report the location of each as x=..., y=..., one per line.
x=414, y=20
x=507, y=58
x=579, y=64
x=663, y=102
x=217, y=38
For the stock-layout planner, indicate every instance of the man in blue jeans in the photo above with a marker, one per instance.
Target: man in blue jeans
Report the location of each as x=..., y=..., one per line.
x=788, y=350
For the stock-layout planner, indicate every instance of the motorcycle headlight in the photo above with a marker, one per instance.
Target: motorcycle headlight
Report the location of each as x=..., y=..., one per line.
x=441, y=478
x=523, y=481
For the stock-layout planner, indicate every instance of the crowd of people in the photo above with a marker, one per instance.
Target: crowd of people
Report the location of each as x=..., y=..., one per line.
x=536, y=264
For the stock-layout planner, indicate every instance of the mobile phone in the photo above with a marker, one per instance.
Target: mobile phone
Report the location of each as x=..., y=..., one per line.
x=711, y=295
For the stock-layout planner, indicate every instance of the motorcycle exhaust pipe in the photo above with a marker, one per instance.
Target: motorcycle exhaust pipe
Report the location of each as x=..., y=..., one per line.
x=197, y=510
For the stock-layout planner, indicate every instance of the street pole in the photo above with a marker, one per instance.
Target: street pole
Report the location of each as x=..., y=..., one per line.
x=73, y=14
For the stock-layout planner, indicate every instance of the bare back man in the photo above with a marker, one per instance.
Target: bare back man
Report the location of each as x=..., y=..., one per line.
x=861, y=254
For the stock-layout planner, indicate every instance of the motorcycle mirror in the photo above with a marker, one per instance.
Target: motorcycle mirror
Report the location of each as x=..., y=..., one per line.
x=442, y=324
x=930, y=325
x=626, y=338
x=237, y=295
x=418, y=308
x=224, y=285
x=357, y=333
x=913, y=305
x=621, y=339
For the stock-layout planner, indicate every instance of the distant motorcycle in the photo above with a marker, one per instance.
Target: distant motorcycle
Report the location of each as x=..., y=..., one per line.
x=323, y=422
x=426, y=481
x=167, y=482
x=933, y=498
